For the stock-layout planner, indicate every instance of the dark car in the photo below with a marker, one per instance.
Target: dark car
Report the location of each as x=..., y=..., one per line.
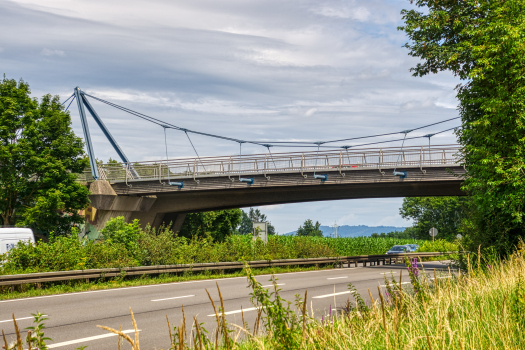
x=413, y=247
x=398, y=249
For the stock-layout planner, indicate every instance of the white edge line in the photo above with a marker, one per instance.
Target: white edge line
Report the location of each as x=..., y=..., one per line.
x=81, y=340
x=331, y=295
x=147, y=286
x=184, y=296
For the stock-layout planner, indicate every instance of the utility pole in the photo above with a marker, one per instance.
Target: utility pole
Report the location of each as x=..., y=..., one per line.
x=335, y=234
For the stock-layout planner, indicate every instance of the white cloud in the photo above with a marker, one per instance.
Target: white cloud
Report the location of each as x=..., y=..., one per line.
x=245, y=69
x=48, y=52
x=348, y=219
x=310, y=112
x=359, y=13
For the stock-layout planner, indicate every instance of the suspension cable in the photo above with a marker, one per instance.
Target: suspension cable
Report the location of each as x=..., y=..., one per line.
x=399, y=156
x=63, y=103
x=69, y=104
x=166, y=145
x=261, y=143
x=195, y=150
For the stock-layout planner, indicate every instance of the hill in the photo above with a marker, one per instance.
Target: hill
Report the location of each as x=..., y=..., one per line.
x=355, y=231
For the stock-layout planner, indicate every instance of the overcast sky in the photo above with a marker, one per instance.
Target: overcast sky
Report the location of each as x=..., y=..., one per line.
x=273, y=70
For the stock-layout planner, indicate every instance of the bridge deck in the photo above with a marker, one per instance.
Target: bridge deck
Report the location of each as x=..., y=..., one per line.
x=280, y=167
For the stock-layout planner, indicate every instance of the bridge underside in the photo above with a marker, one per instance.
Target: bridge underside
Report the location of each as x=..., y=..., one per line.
x=155, y=203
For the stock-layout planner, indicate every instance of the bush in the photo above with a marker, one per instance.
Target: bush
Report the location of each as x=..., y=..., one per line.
x=125, y=244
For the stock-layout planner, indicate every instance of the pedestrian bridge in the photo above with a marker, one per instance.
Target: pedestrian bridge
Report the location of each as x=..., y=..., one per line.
x=160, y=191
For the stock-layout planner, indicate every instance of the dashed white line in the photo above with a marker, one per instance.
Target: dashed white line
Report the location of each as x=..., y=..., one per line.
x=184, y=296
x=83, y=340
x=331, y=295
x=236, y=311
x=336, y=278
x=397, y=283
x=18, y=319
x=149, y=286
x=271, y=285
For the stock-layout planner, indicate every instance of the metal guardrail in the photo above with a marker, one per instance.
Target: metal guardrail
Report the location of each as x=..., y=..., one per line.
x=10, y=280
x=267, y=164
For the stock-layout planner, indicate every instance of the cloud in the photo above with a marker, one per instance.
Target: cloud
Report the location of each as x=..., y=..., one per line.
x=48, y=52
x=348, y=219
x=244, y=69
x=360, y=13
x=310, y=112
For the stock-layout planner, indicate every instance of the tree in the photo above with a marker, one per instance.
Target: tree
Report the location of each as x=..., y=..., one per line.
x=443, y=213
x=254, y=215
x=406, y=234
x=218, y=224
x=39, y=157
x=309, y=229
x=482, y=42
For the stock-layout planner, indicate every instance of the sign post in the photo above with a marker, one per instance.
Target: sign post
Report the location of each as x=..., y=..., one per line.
x=260, y=230
x=433, y=232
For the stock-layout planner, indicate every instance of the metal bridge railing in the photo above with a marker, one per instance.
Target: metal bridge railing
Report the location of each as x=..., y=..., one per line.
x=268, y=164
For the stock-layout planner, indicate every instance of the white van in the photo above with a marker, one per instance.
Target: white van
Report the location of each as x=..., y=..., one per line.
x=10, y=236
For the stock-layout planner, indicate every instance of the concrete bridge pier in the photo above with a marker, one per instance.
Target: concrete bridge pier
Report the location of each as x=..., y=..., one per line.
x=106, y=204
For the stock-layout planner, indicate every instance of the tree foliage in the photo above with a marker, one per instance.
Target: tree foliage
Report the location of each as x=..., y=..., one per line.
x=407, y=233
x=218, y=224
x=308, y=228
x=444, y=213
x=254, y=215
x=39, y=156
x=483, y=43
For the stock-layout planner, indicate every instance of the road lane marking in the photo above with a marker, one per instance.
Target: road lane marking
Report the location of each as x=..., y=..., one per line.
x=271, y=285
x=18, y=319
x=184, y=296
x=151, y=285
x=396, y=283
x=336, y=278
x=331, y=295
x=236, y=311
x=82, y=340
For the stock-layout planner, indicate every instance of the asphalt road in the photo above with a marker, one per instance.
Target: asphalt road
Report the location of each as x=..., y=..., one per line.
x=73, y=317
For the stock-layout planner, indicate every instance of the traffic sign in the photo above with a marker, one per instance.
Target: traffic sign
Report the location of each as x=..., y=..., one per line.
x=433, y=232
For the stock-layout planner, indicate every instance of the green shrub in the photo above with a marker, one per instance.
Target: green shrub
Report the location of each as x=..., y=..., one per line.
x=126, y=244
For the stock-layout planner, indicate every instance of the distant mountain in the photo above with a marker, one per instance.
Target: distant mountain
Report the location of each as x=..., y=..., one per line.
x=355, y=231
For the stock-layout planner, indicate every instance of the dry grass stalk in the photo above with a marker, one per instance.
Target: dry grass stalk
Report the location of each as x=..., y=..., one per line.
x=119, y=337
x=197, y=330
x=257, y=320
x=135, y=328
x=123, y=335
x=184, y=322
x=169, y=329
x=252, y=336
x=304, y=313
x=18, y=335
x=242, y=315
x=217, y=319
x=387, y=337
x=224, y=329
x=429, y=344
x=5, y=340
x=28, y=340
x=181, y=336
